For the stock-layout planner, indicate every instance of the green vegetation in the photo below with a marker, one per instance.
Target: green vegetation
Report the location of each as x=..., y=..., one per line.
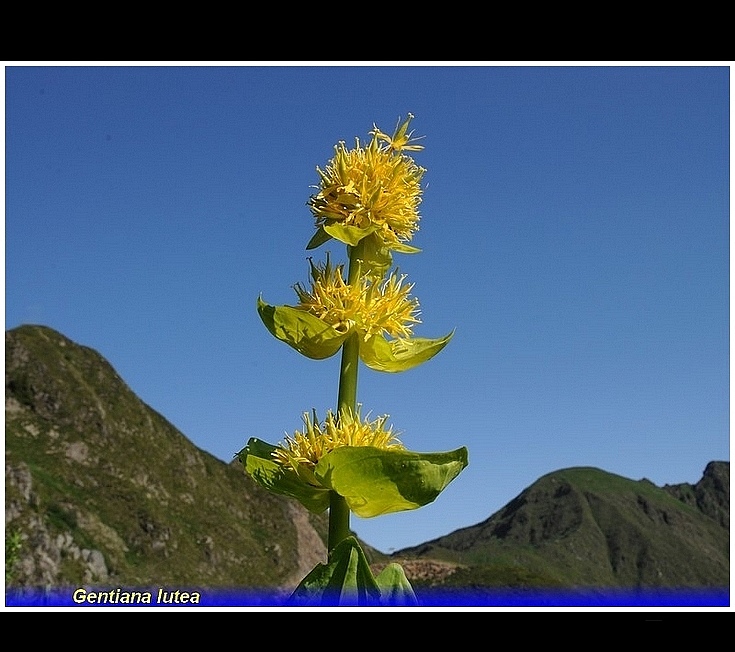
x=95, y=469
x=106, y=491
x=499, y=575
x=586, y=527
x=13, y=542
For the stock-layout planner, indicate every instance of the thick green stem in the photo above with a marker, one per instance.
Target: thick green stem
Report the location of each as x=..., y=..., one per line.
x=339, y=512
x=347, y=398
x=339, y=520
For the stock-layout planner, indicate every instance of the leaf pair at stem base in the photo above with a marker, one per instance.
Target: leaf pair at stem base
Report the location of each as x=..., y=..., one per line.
x=347, y=580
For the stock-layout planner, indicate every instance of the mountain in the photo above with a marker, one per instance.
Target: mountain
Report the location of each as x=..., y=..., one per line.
x=711, y=495
x=100, y=489
x=582, y=527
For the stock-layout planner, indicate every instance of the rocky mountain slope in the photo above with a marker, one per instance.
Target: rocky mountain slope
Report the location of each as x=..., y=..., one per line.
x=101, y=489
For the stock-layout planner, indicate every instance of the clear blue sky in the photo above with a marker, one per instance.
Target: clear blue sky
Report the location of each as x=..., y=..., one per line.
x=575, y=233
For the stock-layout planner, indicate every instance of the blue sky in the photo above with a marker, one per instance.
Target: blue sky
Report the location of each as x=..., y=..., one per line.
x=574, y=231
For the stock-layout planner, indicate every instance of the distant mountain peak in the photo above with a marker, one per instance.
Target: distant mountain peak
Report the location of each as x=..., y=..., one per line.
x=583, y=526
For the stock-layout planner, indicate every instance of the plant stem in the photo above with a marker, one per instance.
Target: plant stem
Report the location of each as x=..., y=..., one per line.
x=347, y=398
x=339, y=512
x=339, y=520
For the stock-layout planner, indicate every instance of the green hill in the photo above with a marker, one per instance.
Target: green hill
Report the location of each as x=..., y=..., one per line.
x=584, y=527
x=101, y=490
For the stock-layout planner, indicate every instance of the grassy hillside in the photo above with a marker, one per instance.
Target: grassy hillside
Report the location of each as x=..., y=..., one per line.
x=102, y=489
x=586, y=527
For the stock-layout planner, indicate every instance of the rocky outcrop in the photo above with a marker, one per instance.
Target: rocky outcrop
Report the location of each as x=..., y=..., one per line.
x=52, y=552
x=711, y=495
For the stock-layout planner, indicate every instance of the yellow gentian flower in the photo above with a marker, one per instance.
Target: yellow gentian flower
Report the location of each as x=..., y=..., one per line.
x=316, y=440
x=379, y=311
x=400, y=140
x=372, y=306
x=372, y=190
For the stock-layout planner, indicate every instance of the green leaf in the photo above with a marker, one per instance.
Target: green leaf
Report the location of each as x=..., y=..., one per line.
x=375, y=256
x=402, y=354
x=405, y=249
x=301, y=330
x=257, y=459
x=318, y=239
x=374, y=481
x=346, y=579
x=395, y=589
x=350, y=235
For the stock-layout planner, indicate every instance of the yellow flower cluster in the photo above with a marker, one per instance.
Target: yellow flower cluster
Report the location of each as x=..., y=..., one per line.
x=312, y=443
x=371, y=306
x=372, y=187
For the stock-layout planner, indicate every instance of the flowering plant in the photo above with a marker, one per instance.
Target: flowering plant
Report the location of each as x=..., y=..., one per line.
x=367, y=199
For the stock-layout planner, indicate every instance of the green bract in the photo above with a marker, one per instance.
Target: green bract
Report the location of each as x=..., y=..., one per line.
x=382, y=354
x=318, y=340
x=371, y=480
x=346, y=579
x=306, y=333
x=262, y=467
x=373, y=252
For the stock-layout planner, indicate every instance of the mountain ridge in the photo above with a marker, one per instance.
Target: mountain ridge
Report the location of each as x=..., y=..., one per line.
x=101, y=488
x=583, y=526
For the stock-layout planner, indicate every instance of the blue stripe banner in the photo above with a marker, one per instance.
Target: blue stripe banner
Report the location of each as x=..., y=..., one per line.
x=219, y=597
